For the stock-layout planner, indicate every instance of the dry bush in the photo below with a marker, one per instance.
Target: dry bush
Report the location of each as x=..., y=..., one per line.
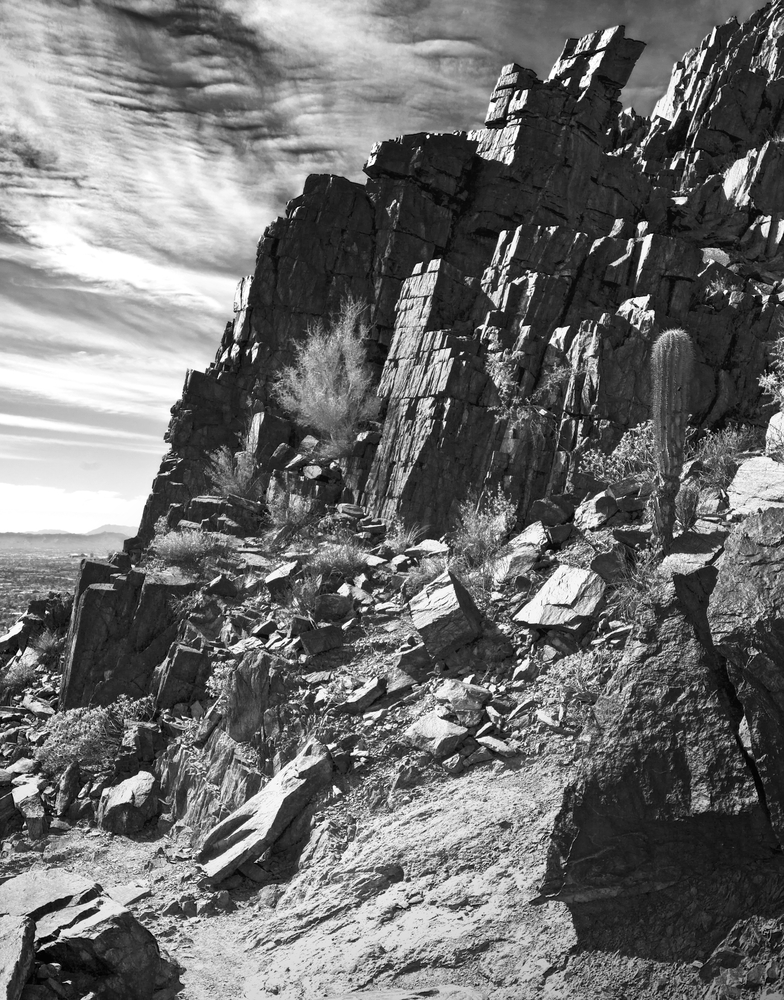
x=632, y=458
x=49, y=645
x=288, y=510
x=16, y=677
x=345, y=558
x=328, y=388
x=686, y=503
x=401, y=536
x=484, y=521
x=304, y=592
x=192, y=551
x=427, y=571
x=720, y=453
x=89, y=736
x=772, y=382
x=639, y=590
x=234, y=473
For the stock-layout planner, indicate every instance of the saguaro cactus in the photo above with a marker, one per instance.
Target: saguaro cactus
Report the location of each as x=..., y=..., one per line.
x=672, y=363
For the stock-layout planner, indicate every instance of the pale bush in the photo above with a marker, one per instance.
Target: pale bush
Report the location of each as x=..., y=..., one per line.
x=89, y=736
x=720, y=453
x=686, y=503
x=633, y=458
x=289, y=510
x=49, y=645
x=345, y=558
x=191, y=550
x=16, y=677
x=484, y=521
x=638, y=590
x=328, y=388
x=234, y=473
x=423, y=574
x=401, y=536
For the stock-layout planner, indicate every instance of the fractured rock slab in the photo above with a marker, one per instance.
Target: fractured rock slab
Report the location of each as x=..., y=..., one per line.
x=567, y=601
x=758, y=485
x=129, y=806
x=16, y=955
x=445, y=615
x=437, y=735
x=252, y=829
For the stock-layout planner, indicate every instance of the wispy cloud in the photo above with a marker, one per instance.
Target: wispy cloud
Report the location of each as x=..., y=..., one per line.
x=145, y=145
x=28, y=507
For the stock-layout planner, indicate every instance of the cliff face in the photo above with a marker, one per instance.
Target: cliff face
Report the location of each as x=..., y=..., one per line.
x=558, y=239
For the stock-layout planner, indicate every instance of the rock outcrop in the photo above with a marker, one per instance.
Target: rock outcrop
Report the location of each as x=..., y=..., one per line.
x=517, y=275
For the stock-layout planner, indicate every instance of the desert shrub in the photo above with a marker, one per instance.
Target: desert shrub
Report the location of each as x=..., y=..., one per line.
x=49, y=645
x=191, y=550
x=288, y=510
x=90, y=736
x=427, y=571
x=772, y=382
x=304, y=592
x=638, y=590
x=401, y=536
x=235, y=473
x=219, y=678
x=720, y=452
x=484, y=521
x=344, y=558
x=632, y=458
x=328, y=388
x=16, y=677
x=686, y=503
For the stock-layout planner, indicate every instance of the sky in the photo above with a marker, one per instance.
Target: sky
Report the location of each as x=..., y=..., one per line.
x=146, y=144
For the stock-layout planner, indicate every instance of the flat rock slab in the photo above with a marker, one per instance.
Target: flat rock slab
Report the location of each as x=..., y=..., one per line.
x=33, y=895
x=250, y=830
x=758, y=485
x=431, y=993
x=16, y=955
x=445, y=615
x=567, y=601
x=437, y=735
x=321, y=640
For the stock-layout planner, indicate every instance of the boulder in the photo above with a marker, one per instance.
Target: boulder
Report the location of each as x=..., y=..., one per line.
x=465, y=700
x=17, y=934
x=757, y=485
x=249, y=831
x=666, y=781
x=774, y=439
x=436, y=735
x=131, y=805
x=746, y=616
x=568, y=601
x=445, y=615
x=68, y=788
x=280, y=580
x=333, y=607
x=28, y=801
x=182, y=676
x=321, y=640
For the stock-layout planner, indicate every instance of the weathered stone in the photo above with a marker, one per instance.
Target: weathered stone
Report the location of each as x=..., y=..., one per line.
x=182, y=676
x=321, y=640
x=247, y=833
x=758, y=485
x=426, y=548
x=436, y=735
x=223, y=586
x=333, y=607
x=445, y=615
x=746, y=616
x=774, y=439
x=16, y=954
x=131, y=805
x=596, y=511
x=567, y=601
x=68, y=788
x=28, y=802
x=280, y=580
x=365, y=696
x=613, y=565
x=666, y=781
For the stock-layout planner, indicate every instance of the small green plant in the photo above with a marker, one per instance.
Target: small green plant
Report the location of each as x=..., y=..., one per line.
x=328, y=388
x=772, y=382
x=219, y=678
x=672, y=362
x=304, y=592
x=344, y=558
x=192, y=551
x=288, y=510
x=632, y=458
x=17, y=676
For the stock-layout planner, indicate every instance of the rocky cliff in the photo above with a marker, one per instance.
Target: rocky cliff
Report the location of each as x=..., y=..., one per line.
x=559, y=238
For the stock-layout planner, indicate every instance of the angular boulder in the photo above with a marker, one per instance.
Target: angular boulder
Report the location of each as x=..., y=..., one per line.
x=758, y=485
x=666, y=782
x=17, y=934
x=84, y=931
x=252, y=829
x=746, y=617
x=436, y=735
x=567, y=601
x=445, y=616
x=131, y=805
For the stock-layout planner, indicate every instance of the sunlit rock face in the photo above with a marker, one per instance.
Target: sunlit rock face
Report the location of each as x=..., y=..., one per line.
x=558, y=240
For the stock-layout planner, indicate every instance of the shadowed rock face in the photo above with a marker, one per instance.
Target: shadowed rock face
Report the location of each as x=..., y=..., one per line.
x=565, y=232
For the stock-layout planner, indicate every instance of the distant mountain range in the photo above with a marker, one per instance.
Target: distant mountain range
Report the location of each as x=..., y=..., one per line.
x=99, y=541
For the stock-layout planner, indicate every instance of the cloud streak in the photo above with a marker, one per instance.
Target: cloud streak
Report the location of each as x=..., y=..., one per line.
x=145, y=145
